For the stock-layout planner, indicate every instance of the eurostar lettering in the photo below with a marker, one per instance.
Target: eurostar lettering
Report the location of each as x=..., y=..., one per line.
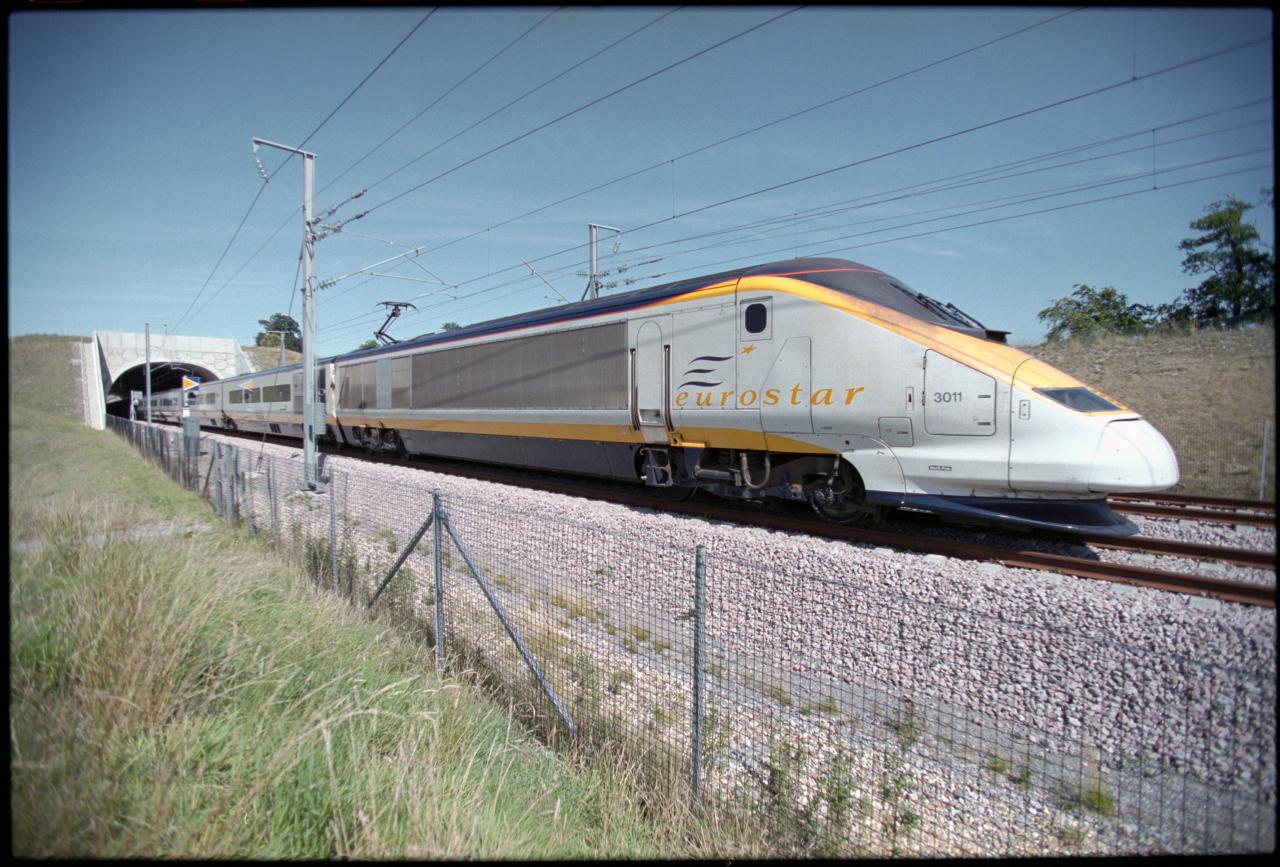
x=795, y=396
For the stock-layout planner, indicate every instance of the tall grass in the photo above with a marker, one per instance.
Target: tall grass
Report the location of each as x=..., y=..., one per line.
x=183, y=698
x=195, y=696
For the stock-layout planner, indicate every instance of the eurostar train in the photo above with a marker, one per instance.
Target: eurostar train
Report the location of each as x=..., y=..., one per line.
x=818, y=380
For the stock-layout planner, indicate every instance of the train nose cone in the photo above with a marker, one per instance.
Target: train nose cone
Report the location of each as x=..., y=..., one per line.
x=1132, y=456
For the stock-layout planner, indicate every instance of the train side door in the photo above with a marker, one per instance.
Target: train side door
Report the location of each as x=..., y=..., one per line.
x=755, y=353
x=651, y=379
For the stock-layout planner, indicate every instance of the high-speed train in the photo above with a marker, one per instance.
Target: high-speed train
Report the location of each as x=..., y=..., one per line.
x=818, y=380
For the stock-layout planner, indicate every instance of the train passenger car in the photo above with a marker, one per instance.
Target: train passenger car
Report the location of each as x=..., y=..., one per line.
x=813, y=379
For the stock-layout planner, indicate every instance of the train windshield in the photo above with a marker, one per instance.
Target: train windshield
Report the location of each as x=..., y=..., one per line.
x=891, y=292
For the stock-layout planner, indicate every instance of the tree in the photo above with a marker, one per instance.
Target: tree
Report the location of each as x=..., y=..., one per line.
x=451, y=326
x=279, y=322
x=368, y=344
x=1240, y=275
x=1089, y=311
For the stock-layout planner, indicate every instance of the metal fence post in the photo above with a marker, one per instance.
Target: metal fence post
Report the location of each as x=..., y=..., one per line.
x=271, y=496
x=1262, y=473
x=333, y=532
x=248, y=502
x=216, y=460
x=233, y=482
x=699, y=607
x=435, y=514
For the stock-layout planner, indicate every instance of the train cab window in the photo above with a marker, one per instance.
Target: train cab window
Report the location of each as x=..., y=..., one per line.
x=755, y=319
x=1080, y=399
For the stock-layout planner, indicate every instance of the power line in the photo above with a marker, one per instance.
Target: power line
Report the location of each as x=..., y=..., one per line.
x=963, y=179
x=1146, y=191
x=583, y=107
x=436, y=101
x=353, y=92
x=431, y=105
x=254, y=203
x=896, y=151
x=1008, y=201
x=225, y=250
x=755, y=129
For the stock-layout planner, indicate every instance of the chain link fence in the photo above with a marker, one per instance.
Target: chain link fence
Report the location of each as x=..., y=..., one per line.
x=1220, y=458
x=851, y=720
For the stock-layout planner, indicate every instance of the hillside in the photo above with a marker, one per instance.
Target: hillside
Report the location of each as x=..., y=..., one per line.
x=1208, y=393
x=267, y=357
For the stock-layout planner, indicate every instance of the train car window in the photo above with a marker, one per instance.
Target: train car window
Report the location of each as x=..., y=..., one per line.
x=755, y=319
x=256, y=396
x=1080, y=399
x=283, y=393
x=401, y=382
x=235, y=396
x=581, y=368
x=421, y=366
x=358, y=389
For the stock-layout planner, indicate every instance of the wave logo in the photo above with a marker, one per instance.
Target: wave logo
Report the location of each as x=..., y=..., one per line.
x=702, y=373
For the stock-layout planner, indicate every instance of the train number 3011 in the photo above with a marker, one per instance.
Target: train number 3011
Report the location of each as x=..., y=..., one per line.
x=946, y=397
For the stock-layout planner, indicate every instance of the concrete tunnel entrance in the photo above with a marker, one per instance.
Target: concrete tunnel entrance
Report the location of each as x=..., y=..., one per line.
x=164, y=375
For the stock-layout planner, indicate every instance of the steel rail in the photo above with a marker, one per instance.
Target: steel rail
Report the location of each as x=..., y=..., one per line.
x=1188, y=513
x=1192, y=500
x=1193, y=550
x=1219, y=588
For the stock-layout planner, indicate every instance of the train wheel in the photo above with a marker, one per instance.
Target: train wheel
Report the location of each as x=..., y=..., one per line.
x=841, y=500
x=392, y=439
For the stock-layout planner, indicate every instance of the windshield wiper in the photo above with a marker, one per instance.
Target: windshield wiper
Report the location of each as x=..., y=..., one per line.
x=965, y=316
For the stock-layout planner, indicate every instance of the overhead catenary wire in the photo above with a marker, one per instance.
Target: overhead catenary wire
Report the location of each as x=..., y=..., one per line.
x=906, y=148
x=435, y=102
x=833, y=251
x=584, y=107
x=766, y=125
x=1003, y=203
x=267, y=178
x=292, y=215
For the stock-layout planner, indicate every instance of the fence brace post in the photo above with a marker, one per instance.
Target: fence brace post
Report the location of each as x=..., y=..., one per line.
x=541, y=678
x=439, y=583
x=699, y=607
x=404, y=555
x=205, y=487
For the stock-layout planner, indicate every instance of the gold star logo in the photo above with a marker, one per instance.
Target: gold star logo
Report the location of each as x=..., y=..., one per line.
x=748, y=349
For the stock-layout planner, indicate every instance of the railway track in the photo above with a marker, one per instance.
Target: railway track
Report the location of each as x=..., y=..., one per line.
x=1222, y=510
x=1141, y=576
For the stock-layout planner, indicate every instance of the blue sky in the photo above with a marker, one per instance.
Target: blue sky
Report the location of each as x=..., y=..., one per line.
x=130, y=165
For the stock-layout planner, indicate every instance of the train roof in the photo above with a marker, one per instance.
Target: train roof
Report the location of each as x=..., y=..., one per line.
x=842, y=275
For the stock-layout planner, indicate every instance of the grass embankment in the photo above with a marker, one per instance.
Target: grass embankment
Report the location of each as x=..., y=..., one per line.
x=268, y=357
x=1208, y=393
x=189, y=696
